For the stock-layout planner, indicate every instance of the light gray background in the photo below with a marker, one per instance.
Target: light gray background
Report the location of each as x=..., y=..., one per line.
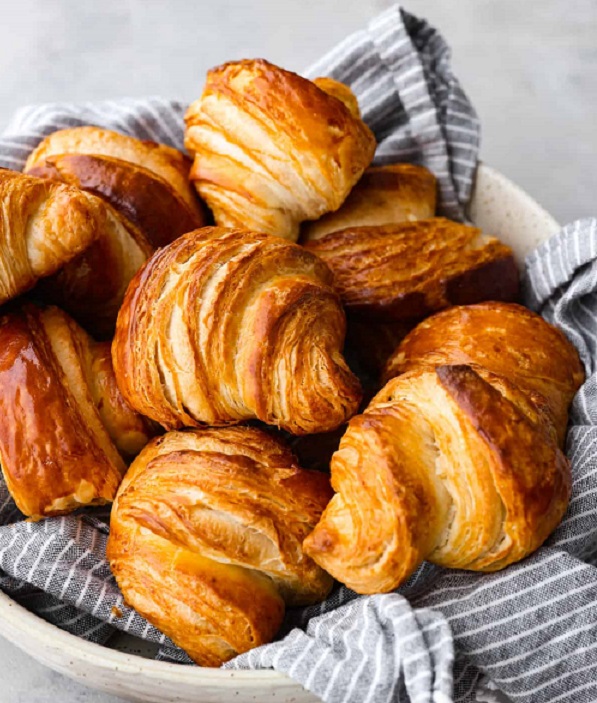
x=530, y=67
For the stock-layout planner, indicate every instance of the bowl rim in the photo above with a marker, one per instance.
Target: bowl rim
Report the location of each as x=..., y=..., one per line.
x=15, y=618
x=29, y=624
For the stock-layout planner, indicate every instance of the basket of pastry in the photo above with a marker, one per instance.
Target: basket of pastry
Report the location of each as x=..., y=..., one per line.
x=278, y=365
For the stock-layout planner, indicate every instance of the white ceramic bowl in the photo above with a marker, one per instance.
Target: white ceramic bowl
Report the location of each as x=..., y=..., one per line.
x=499, y=207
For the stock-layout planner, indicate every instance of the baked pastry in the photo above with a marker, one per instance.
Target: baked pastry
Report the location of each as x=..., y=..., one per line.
x=64, y=422
x=143, y=198
x=164, y=162
x=145, y=182
x=227, y=325
x=43, y=226
x=505, y=339
x=340, y=91
x=384, y=195
x=91, y=286
x=149, y=201
x=205, y=538
x=273, y=149
x=458, y=458
x=410, y=270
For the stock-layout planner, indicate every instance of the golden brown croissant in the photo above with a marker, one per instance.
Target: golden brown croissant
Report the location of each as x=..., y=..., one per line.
x=205, y=538
x=91, y=286
x=457, y=459
x=409, y=270
x=273, y=149
x=226, y=325
x=384, y=195
x=168, y=164
x=63, y=418
x=43, y=226
x=340, y=91
x=517, y=344
x=152, y=204
x=145, y=199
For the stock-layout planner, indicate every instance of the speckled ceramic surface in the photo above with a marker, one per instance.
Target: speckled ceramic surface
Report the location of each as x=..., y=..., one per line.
x=499, y=207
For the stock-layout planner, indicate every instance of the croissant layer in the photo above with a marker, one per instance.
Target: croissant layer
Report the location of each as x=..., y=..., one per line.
x=138, y=194
x=149, y=203
x=384, y=195
x=456, y=460
x=227, y=325
x=205, y=538
x=273, y=149
x=409, y=270
x=503, y=338
x=164, y=161
x=64, y=420
x=43, y=226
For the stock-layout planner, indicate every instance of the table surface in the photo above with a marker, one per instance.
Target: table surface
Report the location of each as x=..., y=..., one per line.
x=529, y=69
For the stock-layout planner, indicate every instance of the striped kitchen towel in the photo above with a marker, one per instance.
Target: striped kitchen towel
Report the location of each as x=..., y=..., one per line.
x=531, y=629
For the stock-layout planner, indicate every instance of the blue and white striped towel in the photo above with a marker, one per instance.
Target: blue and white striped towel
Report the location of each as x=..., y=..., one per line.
x=531, y=629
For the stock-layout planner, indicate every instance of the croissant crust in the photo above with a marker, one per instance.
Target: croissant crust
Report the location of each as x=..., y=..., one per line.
x=409, y=270
x=43, y=226
x=458, y=457
x=91, y=286
x=139, y=195
x=227, y=325
x=273, y=149
x=384, y=195
x=505, y=339
x=205, y=538
x=165, y=162
x=63, y=417
x=149, y=203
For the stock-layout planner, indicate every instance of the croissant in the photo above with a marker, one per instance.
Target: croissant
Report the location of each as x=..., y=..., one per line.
x=64, y=422
x=273, y=149
x=227, y=325
x=384, y=195
x=169, y=165
x=520, y=345
x=458, y=458
x=340, y=91
x=409, y=270
x=149, y=202
x=205, y=538
x=92, y=285
x=42, y=226
x=119, y=169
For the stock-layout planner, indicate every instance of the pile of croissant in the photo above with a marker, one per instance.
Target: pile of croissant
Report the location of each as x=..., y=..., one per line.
x=175, y=328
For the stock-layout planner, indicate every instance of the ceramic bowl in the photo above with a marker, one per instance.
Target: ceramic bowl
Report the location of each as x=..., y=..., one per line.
x=499, y=207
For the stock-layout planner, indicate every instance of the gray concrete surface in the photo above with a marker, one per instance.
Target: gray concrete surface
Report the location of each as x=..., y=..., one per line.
x=529, y=68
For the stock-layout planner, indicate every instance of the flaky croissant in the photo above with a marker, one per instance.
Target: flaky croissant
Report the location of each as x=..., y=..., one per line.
x=64, y=422
x=91, y=286
x=273, y=149
x=457, y=460
x=43, y=226
x=516, y=343
x=205, y=538
x=409, y=270
x=384, y=195
x=145, y=182
x=227, y=325
x=149, y=203
x=164, y=162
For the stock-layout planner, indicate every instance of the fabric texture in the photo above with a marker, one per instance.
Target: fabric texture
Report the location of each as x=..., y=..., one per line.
x=532, y=628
